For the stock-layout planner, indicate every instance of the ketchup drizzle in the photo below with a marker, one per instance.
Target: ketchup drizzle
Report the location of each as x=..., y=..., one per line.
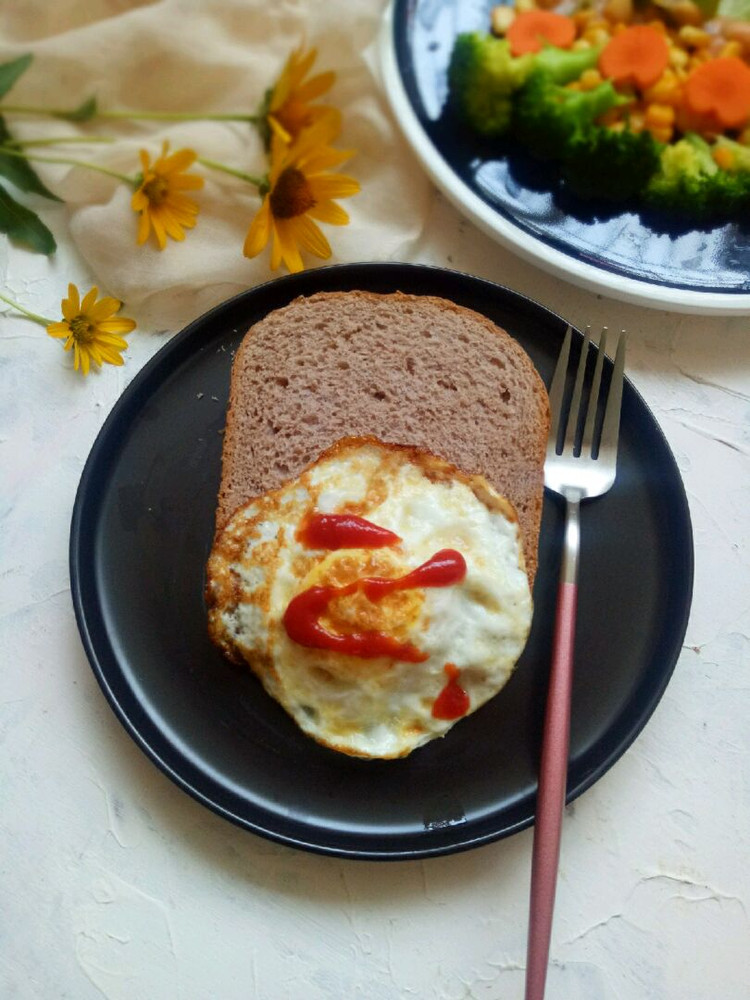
x=302, y=616
x=453, y=701
x=343, y=531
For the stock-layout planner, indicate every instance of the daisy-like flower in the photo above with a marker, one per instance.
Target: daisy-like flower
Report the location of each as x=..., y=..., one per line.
x=91, y=329
x=301, y=190
x=159, y=197
x=288, y=109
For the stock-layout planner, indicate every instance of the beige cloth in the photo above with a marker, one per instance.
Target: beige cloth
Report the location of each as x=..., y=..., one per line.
x=203, y=55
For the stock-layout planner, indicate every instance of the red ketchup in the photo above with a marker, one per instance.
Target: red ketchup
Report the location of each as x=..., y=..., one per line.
x=302, y=616
x=453, y=701
x=343, y=531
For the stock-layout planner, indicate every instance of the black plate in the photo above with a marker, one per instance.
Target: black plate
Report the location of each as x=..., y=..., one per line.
x=141, y=534
x=712, y=260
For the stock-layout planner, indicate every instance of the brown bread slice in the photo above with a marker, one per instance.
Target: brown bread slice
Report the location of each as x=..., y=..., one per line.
x=407, y=369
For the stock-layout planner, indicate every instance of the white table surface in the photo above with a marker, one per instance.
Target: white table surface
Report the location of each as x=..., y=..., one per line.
x=116, y=884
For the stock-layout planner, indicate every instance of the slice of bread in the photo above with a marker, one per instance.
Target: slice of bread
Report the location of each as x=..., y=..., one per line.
x=406, y=369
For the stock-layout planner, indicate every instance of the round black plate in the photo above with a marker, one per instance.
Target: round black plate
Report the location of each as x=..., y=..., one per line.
x=141, y=533
x=713, y=261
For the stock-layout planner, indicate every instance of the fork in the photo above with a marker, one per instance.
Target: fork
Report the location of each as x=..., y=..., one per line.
x=577, y=473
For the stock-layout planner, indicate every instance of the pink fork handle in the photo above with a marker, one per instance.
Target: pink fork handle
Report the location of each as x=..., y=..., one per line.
x=551, y=798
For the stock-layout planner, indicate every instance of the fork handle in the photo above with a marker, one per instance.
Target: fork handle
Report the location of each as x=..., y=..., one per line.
x=554, y=766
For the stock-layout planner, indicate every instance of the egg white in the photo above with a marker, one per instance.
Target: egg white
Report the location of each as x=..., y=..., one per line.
x=380, y=708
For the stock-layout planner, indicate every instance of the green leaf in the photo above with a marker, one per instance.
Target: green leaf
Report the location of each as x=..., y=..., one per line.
x=83, y=113
x=24, y=226
x=19, y=171
x=10, y=72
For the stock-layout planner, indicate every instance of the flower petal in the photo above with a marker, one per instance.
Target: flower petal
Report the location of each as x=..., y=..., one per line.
x=94, y=353
x=319, y=160
x=58, y=330
x=161, y=236
x=187, y=182
x=120, y=324
x=330, y=212
x=289, y=251
x=278, y=129
x=103, y=309
x=178, y=162
x=275, y=250
x=315, y=86
x=144, y=228
x=88, y=300
x=259, y=231
x=72, y=305
x=324, y=187
x=310, y=238
x=111, y=356
x=139, y=201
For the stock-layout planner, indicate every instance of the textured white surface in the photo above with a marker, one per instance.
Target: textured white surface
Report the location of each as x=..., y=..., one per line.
x=115, y=884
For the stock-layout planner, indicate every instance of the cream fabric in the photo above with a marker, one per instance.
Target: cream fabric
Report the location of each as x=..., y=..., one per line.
x=203, y=55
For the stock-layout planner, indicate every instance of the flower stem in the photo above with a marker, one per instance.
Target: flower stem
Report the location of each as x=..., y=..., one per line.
x=31, y=315
x=10, y=151
x=61, y=140
x=257, y=182
x=164, y=116
x=175, y=116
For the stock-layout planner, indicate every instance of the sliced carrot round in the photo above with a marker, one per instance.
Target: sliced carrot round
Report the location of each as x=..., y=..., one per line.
x=636, y=56
x=532, y=29
x=720, y=89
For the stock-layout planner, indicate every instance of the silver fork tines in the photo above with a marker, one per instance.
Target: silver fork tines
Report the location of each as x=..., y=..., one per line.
x=585, y=461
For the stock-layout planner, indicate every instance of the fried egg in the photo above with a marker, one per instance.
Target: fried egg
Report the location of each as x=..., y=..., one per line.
x=380, y=596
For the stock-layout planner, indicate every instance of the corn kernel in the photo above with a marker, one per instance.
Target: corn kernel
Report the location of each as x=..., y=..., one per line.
x=659, y=114
x=686, y=12
x=678, y=58
x=618, y=10
x=589, y=79
x=723, y=158
x=581, y=43
x=636, y=121
x=502, y=18
x=582, y=17
x=731, y=50
x=524, y=5
x=694, y=37
x=597, y=36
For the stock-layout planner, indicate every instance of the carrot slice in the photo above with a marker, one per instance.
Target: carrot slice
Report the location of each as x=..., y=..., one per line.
x=532, y=29
x=636, y=56
x=720, y=89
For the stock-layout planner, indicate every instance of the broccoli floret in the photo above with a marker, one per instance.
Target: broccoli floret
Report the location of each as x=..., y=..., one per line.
x=564, y=65
x=483, y=76
x=690, y=184
x=549, y=118
x=603, y=164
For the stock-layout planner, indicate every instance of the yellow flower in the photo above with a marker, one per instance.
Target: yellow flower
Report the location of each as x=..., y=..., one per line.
x=91, y=329
x=159, y=197
x=301, y=189
x=289, y=109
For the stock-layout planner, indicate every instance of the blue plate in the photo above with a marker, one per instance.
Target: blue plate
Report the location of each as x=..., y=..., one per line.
x=522, y=203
